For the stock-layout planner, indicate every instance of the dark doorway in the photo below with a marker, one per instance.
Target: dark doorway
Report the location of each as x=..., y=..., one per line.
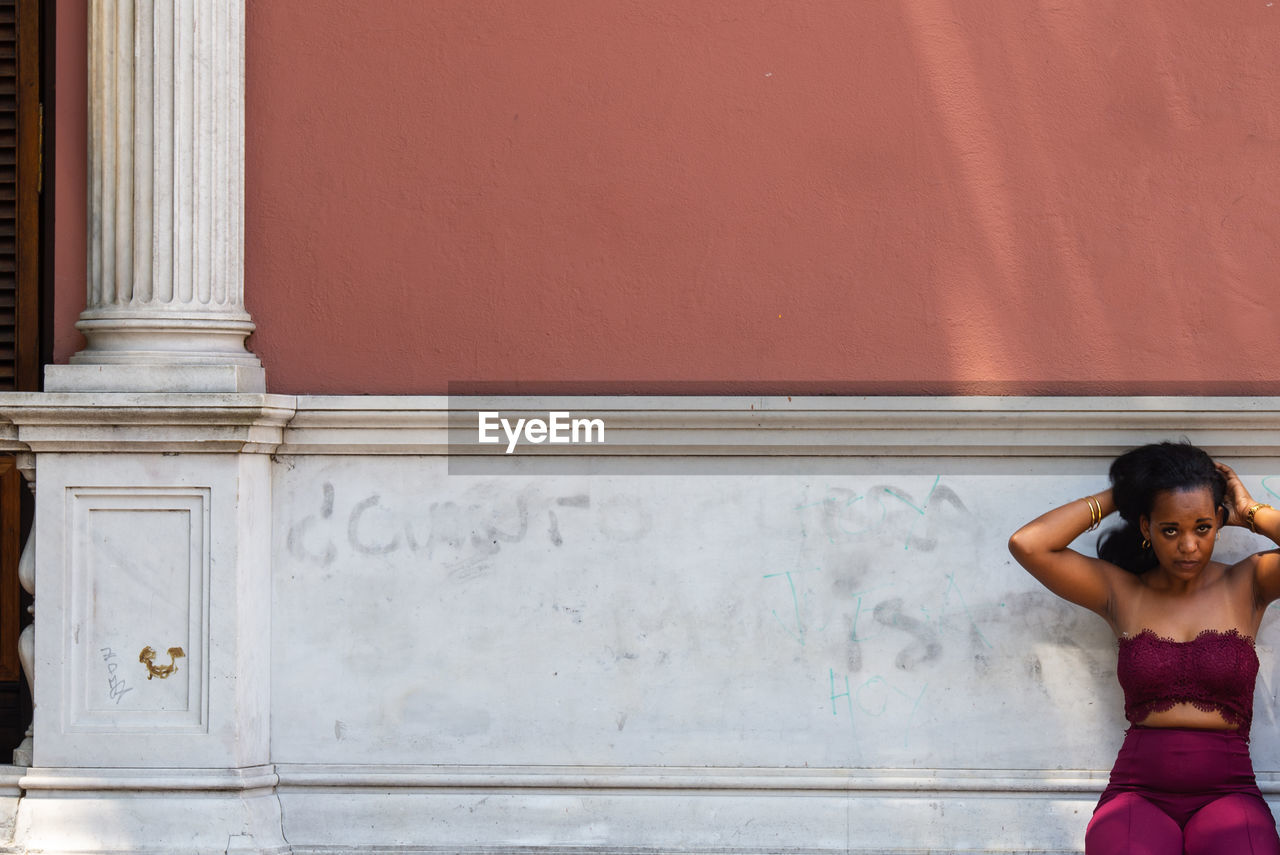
x=26, y=39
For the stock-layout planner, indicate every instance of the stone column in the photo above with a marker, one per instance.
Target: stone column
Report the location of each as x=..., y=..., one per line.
x=151, y=646
x=165, y=309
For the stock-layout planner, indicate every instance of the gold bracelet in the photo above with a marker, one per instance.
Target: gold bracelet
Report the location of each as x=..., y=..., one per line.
x=1095, y=512
x=1252, y=512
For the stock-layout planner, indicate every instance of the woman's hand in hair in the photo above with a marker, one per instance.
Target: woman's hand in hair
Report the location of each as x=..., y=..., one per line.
x=1265, y=565
x=1238, y=500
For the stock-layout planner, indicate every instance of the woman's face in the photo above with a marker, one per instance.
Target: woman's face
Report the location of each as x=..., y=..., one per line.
x=1182, y=527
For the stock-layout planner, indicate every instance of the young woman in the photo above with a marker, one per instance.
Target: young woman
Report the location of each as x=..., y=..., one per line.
x=1185, y=624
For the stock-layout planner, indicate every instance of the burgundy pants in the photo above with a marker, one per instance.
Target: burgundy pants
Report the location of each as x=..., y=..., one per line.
x=1180, y=791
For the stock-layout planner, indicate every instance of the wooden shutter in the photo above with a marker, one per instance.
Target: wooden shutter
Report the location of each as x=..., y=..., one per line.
x=20, y=168
x=19, y=194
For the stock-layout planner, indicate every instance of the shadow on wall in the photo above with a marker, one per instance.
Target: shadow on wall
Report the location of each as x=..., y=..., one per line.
x=732, y=197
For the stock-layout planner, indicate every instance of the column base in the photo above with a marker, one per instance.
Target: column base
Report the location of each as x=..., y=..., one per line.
x=154, y=378
x=132, y=350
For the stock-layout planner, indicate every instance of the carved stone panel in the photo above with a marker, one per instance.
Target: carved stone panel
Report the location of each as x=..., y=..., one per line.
x=138, y=608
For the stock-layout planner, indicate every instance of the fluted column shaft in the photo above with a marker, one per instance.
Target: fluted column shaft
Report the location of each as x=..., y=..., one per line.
x=165, y=308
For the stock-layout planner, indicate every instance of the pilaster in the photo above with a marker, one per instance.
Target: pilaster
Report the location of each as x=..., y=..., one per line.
x=152, y=631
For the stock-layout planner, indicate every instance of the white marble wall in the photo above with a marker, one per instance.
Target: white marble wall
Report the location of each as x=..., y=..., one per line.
x=797, y=629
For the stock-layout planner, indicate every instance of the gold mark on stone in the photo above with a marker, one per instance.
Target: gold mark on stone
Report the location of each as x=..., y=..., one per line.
x=148, y=657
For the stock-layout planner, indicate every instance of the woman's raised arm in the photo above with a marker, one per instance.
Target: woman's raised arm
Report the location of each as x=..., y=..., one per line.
x=1042, y=546
x=1262, y=519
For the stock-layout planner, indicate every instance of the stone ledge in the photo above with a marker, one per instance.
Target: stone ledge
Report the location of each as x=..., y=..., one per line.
x=672, y=426
x=143, y=422
x=136, y=780
x=646, y=426
x=897, y=781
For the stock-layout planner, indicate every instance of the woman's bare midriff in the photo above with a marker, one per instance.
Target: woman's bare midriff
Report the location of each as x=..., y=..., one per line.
x=1186, y=715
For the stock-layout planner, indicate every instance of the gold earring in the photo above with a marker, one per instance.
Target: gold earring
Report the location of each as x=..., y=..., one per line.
x=1146, y=544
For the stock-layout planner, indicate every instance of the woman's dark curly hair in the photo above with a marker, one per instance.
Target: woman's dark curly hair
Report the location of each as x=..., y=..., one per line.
x=1136, y=477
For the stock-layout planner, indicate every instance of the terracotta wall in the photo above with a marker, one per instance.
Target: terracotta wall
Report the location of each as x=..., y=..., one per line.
x=748, y=196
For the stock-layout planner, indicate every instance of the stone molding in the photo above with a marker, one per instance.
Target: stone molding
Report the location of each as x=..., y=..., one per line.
x=640, y=426
x=307, y=776
x=671, y=778
x=137, y=780
x=802, y=426
x=142, y=422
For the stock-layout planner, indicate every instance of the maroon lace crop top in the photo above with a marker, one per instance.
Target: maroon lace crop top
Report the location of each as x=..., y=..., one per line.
x=1215, y=672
